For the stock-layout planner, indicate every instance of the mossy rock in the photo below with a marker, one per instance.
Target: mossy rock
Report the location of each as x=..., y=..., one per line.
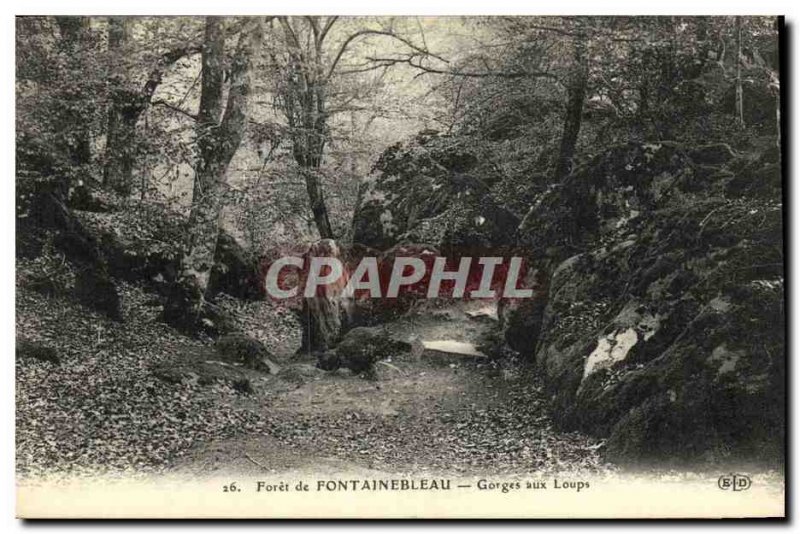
x=38, y=351
x=242, y=349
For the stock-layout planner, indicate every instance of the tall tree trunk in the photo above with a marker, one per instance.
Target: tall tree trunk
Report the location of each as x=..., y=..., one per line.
x=775, y=82
x=576, y=94
x=309, y=147
x=217, y=140
x=74, y=32
x=316, y=120
x=123, y=113
x=739, y=93
x=324, y=315
x=304, y=106
x=317, y=200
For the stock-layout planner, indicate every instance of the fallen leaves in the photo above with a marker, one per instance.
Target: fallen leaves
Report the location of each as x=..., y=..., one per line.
x=103, y=411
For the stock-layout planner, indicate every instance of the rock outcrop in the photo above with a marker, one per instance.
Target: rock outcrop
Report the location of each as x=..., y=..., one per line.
x=107, y=239
x=145, y=242
x=48, y=218
x=241, y=349
x=663, y=329
x=360, y=349
x=30, y=349
x=432, y=190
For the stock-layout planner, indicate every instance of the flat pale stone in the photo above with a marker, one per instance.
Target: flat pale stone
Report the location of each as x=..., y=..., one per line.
x=486, y=311
x=453, y=347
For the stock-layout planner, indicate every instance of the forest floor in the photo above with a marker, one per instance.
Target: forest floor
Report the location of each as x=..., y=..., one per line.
x=101, y=410
x=434, y=414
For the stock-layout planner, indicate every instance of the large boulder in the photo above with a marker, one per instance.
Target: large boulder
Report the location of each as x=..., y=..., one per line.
x=145, y=241
x=235, y=270
x=666, y=335
x=241, y=349
x=233, y=363
x=431, y=189
x=186, y=309
x=601, y=198
x=360, y=349
x=47, y=219
x=368, y=311
x=520, y=319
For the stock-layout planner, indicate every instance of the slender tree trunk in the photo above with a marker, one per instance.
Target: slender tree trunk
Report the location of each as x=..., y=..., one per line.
x=576, y=94
x=123, y=113
x=317, y=200
x=304, y=106
x=317, y=120
x=308, y=153
x=775, y=83
x=217, y=140
x=739, y=93
x=73, y=38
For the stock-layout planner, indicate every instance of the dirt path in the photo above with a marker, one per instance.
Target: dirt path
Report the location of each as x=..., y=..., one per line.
x=429, y=414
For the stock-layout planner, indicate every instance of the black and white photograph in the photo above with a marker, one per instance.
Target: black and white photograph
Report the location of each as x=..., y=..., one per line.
x=400, y=267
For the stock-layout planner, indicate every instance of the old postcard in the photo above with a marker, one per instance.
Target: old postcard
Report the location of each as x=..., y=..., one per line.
x=400, y=267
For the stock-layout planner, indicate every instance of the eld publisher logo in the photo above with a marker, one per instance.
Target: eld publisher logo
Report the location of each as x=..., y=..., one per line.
x=734, y=482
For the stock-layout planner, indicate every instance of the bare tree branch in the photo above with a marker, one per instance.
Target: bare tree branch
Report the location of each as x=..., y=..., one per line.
x=409, y=60
x=173, y=107
x=386, y=33
x=328, y=25
x=313, y=22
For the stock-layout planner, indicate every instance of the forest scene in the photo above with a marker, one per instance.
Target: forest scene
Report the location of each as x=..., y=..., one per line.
x=163, y=164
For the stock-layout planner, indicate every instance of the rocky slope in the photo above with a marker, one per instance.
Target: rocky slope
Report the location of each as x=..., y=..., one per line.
x=665, y=333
